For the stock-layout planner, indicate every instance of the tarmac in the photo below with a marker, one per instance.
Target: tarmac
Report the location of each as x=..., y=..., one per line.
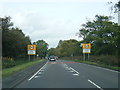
x=17, y=78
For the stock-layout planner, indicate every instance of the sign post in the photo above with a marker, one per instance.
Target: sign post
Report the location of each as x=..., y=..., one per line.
x=31, y=50
x=86, y=49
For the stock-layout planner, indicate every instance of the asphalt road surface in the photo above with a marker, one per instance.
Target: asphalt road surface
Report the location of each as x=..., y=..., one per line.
x=69, y=74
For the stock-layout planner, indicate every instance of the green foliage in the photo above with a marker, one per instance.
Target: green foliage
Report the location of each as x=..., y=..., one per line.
x=42, y=48
x=51, y=51
x=9, y=71
x=103, y=34
x=8, y=62
x=68, y=48
x=14, y=41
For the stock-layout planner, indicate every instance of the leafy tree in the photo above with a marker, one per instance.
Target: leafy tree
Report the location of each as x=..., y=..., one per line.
x=42, y=48
x=51, y=51
x=6, y=23
x=102, y=33
x=68, y=48
x=14, y=41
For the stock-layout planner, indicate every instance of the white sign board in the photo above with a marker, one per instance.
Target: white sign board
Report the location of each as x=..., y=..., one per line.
x=86, y=50
x=31, y=52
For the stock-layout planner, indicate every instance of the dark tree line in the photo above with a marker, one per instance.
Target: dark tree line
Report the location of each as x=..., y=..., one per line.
x=14, y=41
x=66, y=48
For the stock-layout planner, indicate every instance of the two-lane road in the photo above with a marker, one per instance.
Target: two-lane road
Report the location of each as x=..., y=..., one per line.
x=68, y=74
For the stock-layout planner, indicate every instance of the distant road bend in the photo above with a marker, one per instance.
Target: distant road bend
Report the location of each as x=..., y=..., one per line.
x=69, y=74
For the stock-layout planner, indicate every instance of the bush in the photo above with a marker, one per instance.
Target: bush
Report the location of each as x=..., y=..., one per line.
x=105, y=59
x=7, y=62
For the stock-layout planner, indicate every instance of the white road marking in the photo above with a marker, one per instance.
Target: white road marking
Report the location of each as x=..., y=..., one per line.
x=75, y=70
x=95, y=84
x=65, y=64
x=71, y=71
x=40, y=73
x=37, y=76
x=67, y=67
x=76, y=74
x=37, y=72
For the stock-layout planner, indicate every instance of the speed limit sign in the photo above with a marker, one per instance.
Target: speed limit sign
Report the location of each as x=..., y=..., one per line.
x=31, y=49
x=86, y=46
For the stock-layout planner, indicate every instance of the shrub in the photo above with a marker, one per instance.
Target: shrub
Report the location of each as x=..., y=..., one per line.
x=7, y=62
x=105, y=59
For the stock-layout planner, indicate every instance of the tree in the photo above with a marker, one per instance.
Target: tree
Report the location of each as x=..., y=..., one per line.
x=14, y=41
x=102, y=33
x=42, y=48
x=51, y=51
x=68, y=48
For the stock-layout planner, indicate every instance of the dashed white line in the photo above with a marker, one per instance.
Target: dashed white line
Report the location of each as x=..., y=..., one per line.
x=75, y=70
x=71, y=71
x=37, y=76
x=37, y=72
x=40, y=73
x=76, y=74
x=95, y=84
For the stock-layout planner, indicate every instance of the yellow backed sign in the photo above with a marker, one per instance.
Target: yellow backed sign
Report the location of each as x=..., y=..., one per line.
x=31, y=47
x=86, y=46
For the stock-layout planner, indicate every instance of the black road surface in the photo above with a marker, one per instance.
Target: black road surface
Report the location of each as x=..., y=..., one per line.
x=69, y=74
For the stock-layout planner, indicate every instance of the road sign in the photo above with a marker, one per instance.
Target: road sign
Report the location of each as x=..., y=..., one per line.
x=86, y=46
x=31, y=52
x=86, y=50
x=31, y=49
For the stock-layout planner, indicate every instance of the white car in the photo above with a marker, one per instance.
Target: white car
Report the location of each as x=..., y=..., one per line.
x=52, y=58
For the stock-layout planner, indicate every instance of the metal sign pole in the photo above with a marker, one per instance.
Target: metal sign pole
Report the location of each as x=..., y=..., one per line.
x=84, y=56
x=88, y=56
x=29, y=57
x=34, y=57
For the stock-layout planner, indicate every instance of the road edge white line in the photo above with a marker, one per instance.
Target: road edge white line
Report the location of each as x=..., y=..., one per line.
x=37, y=72
x=95, y=84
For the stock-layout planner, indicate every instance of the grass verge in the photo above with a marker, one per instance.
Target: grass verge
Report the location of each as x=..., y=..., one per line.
x=99, y=64
x=10, y=71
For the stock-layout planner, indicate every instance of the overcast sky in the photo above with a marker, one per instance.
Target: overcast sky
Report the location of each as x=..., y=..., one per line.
x=53, y=20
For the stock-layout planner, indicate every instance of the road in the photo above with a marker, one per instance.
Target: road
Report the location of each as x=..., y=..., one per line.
x=69, y=74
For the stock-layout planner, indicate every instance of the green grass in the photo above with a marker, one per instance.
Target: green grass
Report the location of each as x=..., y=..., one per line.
x=98, y=64
x=10, y=71
x=102, y=65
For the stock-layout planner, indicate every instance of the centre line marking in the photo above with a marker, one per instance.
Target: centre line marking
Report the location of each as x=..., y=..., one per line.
x=37, y=72
x=95, y=84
